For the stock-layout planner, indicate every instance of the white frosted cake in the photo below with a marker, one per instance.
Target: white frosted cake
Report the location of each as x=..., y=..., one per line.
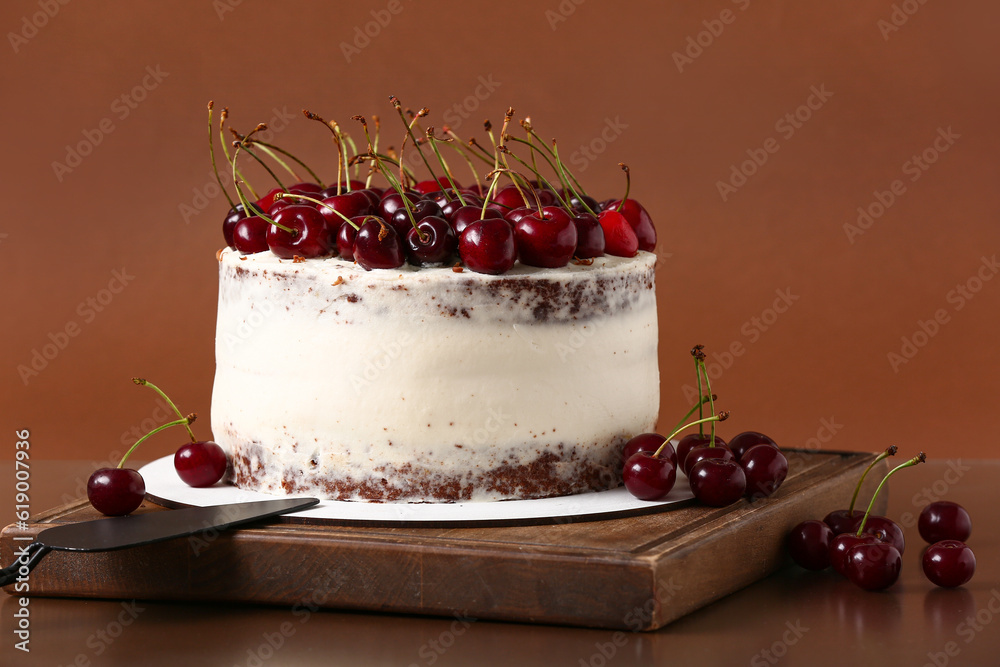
x=431, y=385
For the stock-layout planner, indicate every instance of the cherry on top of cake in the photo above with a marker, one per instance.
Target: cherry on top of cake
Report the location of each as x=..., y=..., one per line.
x=514, y=214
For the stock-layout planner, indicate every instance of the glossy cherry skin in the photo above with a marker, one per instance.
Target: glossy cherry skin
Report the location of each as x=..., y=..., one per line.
x=547, y=240
x=841, y=544
x=392, y=201
x=116, y=491
x=378, y=246
x=716, y=482
x=648, y=478
x=702, y=452
x=692, y=440
x=431, y=186
x=267, y=201
x=200, y=464
x=741, y=442
x=948, y=563
x=886, y=530
x=619, y=239
x=449, y=208
x=509, y=197
x=649, y=443
x=305, y=188
x=638, y=218
x=842, y=521
x=589, y=236
x=577, y=203
x=944, y=520
x=250, y=235
x=235, y=214
x=809, y=544
x=346, y=235
x=424, y=208
x=312, y=236
x=349, y=205
x=765, y=468
x=432, y=242
x=488, y=246
x=466, y=215
x=873, y=567
x=513, y=215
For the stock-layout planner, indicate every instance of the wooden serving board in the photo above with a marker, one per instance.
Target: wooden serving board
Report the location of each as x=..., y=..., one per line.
x=633, y=573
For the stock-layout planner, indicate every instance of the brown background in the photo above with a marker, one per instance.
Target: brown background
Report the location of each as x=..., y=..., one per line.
x=721, y=262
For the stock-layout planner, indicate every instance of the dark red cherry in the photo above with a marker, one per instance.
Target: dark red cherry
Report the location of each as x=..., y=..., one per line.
x=449, y=208
x=378, y=246
x=649, y=443
x=716, y=482
x=842, y=521
x=873, y=567
x=432, y=242
x=589, y=236
x=692, y=440
x=350, y=205
x=284, y=203
x=424, y=208
x=702, y=452
x=305, y=188
x=431, y=186
x=547, y=239
x=374, y=196
x=886, y=530
x=392, y=201
x=116, y=491
x=250, y=235
x=619, y=239
x=765, y=468
x=949, y=563
x=944, y=520
x=346, y=235
x=311, y=236
x=267, y=201
x=509, y=197
x=841, y=544
x=741, y=442
x=513, y=215
x=638, y=218
x=200, y=464
x=648, y=478
x=466, y=215
x=577, y=203
x=809, y=544
x=235, y=214
x=488, y=246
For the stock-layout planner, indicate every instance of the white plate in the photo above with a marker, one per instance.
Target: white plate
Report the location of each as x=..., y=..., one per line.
x=165, y=487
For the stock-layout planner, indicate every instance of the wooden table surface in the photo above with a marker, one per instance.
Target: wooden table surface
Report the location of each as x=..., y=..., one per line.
x=791, y=618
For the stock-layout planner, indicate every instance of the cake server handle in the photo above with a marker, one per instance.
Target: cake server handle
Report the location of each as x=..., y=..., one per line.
x=28, y=558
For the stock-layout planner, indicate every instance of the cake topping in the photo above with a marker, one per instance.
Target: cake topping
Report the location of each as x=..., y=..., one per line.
x=543, y=215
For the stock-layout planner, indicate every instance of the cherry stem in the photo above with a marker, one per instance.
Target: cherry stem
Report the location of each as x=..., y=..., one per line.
x=890, y=451
x=482, y=154
x=697, y=372
x=225, y=149
x=541, y=180
x=354, y=148
x=432, y=140
x=312, y=173
x=184, y=420
x=336, y=141
x=211, y=153
x=711, y=396
x=271, y=154
x=243, y=199
x=514, y=176
x=454, y=143
x=696, y=406
x=628, y=186
x=562, y=181
x=146, y=383
x=245, y=144
x=721, y=417
x=531, y=130
x=291, y=195
x=409, y=133
x=919, y=458
x=502, y=155
x=580, y=194
x=343, y=168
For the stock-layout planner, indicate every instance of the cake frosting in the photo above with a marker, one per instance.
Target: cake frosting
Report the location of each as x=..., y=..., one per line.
x=429, y=384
